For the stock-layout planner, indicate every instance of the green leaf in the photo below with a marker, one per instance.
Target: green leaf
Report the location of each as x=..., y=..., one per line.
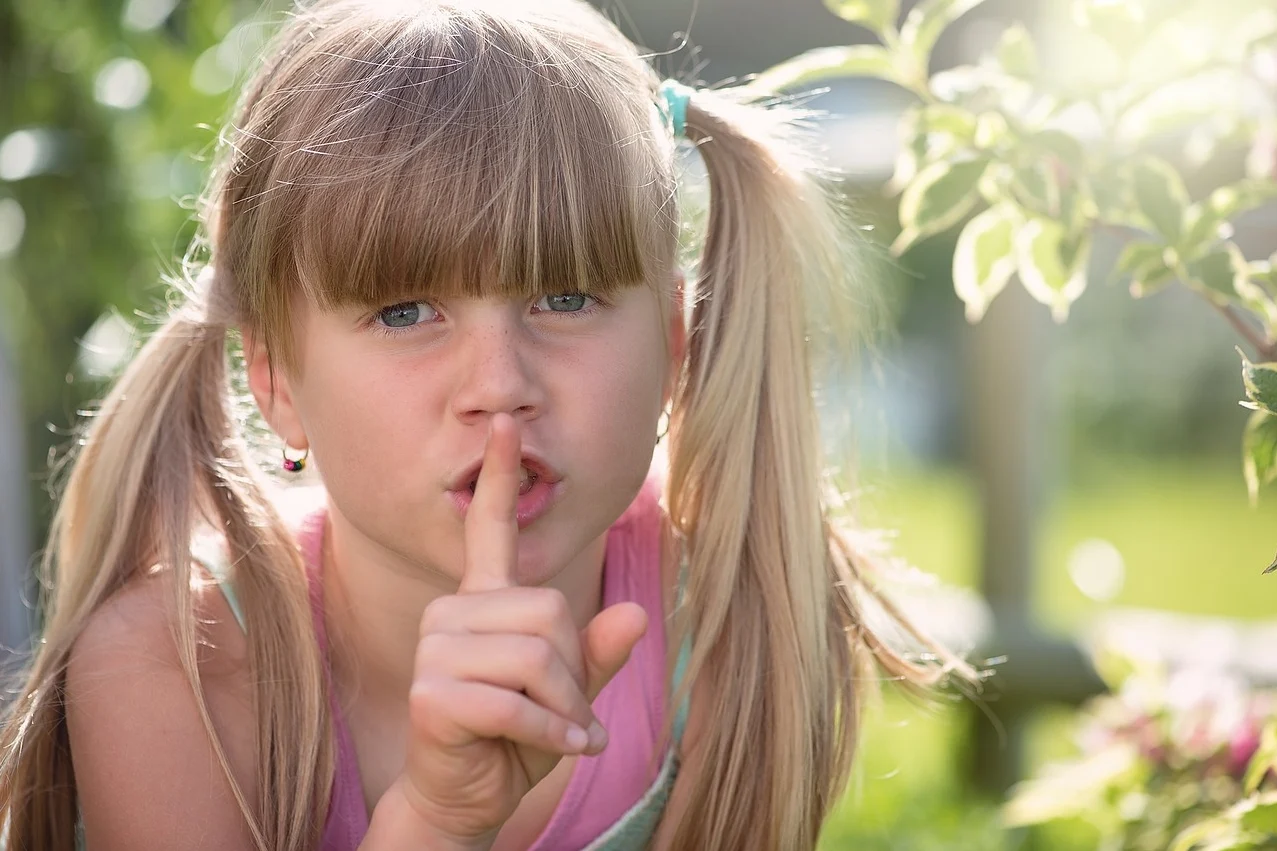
x=1255, y=287
x=940, y=196
x=1260, y=815
x=1016, y=53
x=1201, y=225
x=1265, y=757
x=1052, y=265
x=1113, y=188
x=927, y=20
x=991, y=130
x=1260, y=380
x=1145, y=264
x=823, y=63
x=1216, y=273
x=948, y=119
x=1075, y=788
x=1259, y=465
x=1161, y=196
x=1119, y=22
x=1228, y=202
x=1059, y=144
x=1035, y=188
x=927, y=134
x=877, y=15
x=1194, y=835
x=984, y=259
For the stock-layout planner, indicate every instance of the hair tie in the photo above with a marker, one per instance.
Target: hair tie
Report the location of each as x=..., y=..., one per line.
x=211, y=299
x=674, y=98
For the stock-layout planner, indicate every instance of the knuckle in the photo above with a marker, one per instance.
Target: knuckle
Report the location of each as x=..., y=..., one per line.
x=426, y=696
x=435, y=615
x=554, y=605
x=434, y=647
x=541, y=656
x=508, y=711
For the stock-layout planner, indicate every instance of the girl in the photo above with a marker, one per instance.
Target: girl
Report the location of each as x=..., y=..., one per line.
x=445, y=234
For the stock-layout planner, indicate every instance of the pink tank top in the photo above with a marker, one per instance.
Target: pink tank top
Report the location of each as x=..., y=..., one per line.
x=632, y=706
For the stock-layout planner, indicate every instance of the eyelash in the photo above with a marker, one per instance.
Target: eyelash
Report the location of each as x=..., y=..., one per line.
x=385, y=330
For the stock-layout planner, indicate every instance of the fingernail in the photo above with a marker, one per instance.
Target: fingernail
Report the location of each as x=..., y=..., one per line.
x=598, y=737
x=577, y=738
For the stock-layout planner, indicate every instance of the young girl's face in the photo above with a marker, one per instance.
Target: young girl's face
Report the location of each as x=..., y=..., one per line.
x=395, y=403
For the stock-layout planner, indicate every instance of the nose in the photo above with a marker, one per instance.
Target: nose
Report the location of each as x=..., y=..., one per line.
x=496, y=373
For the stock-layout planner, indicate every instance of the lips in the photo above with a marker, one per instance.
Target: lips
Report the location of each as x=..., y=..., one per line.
x=534, y=469
x=541, y=487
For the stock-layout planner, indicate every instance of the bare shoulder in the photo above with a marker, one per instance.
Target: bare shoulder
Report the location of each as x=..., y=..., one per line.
x=146, y=773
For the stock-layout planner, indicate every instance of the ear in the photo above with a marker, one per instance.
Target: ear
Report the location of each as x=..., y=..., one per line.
x=272, y=393
x=677, y=336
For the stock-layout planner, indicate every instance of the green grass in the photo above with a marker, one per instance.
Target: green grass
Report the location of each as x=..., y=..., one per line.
x=1189, y=538
x=1190, y=542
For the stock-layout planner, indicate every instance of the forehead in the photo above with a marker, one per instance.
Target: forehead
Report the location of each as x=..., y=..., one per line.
x=462, y=170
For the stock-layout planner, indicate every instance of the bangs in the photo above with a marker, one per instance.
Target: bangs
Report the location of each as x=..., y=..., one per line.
x=467, y=159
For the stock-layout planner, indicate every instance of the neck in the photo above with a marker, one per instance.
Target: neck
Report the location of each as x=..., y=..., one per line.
x=374, y=600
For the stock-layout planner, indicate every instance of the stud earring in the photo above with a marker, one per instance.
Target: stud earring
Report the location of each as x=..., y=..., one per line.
x=297, y=464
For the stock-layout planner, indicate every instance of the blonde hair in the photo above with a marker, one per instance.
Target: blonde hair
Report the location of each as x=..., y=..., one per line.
x=328, y=185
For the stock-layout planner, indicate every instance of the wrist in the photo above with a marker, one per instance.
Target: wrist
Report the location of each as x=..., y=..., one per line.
x=396, y=824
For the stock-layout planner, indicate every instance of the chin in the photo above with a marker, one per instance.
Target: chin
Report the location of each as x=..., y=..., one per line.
x=539, y=563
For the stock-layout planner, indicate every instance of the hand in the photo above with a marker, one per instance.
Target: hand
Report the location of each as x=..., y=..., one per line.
x=503, y=679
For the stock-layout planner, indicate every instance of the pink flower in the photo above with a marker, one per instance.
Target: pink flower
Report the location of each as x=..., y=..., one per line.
x=1244, y=743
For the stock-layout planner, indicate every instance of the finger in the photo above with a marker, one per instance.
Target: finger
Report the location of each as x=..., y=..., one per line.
x=453, y=713
x=517, y=662
x=607, y=643
x=537, y=611
x=492, y=527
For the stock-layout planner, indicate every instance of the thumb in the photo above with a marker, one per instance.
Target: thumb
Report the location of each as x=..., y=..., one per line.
x=607, y=643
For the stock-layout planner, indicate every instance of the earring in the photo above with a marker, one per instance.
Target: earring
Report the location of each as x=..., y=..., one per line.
x=664, y=432
x=295, y=465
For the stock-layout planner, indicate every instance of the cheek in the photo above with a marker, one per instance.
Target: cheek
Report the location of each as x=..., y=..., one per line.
x=361, y=420
x=620, y=399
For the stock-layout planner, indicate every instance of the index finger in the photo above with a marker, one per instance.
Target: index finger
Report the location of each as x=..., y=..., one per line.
x=492, y=526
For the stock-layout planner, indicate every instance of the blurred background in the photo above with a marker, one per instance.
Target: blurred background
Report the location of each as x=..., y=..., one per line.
x=1076, y=488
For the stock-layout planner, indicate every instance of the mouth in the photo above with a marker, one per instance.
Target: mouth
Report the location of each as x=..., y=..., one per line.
x=540, y=487
x=532, y=469
x=527, y=479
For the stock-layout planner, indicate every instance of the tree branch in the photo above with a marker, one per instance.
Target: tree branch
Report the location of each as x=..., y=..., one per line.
x=1265, y=348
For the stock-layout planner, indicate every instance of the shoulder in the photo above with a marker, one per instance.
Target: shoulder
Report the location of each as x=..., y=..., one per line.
x=147, y=775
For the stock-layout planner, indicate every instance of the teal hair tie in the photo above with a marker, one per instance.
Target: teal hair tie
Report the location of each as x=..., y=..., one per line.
x=674, y=96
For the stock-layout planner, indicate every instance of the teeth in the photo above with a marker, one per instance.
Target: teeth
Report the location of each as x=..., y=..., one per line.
x=527, y=479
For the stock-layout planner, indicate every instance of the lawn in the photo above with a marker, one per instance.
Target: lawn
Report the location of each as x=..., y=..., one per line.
x=1188, y=540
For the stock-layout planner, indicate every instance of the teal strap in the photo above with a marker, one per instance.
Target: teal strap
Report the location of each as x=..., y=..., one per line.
x=674, y=97
x=211, y=553
x=680, y=668
x=228, y=591
x=684, y=657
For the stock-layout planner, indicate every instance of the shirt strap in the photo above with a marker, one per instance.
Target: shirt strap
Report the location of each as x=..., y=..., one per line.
x=211, y=552
x=684, y=657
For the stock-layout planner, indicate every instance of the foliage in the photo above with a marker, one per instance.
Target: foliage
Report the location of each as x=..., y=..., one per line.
x=1115, y=127
x=1182, y=762
x=111, y=127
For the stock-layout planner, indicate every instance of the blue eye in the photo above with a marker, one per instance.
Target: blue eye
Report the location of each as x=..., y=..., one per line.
x=403, y=315
x=565, y=303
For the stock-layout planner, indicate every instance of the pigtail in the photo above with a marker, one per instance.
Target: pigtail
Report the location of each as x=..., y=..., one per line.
x=163, y=454
x=774, y=589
